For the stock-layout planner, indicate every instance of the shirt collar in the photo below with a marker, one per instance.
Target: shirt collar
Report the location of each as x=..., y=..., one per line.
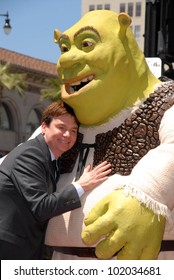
x=52, y=155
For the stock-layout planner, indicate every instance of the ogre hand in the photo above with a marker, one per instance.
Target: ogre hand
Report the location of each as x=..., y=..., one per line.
x=125, y=226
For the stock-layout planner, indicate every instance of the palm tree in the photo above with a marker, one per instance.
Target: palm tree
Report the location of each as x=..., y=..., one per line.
x=10, y=81
x=52, y=92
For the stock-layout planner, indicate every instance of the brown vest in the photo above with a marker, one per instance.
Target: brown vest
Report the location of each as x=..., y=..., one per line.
x=125, y=145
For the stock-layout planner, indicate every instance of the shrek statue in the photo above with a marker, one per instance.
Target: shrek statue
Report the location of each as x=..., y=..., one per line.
x=126, y=116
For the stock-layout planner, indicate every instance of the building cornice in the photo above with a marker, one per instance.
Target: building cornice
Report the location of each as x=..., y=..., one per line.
x=36, y=70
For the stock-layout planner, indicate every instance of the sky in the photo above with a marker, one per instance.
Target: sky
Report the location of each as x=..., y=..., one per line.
x=33, y=23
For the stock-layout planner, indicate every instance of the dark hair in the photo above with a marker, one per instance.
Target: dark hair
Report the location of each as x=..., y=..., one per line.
x=57, y=109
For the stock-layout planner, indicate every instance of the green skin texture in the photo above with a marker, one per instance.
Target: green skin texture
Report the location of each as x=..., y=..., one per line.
x=102, y=45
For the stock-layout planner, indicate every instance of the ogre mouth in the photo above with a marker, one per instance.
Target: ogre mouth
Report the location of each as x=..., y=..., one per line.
x=76, y=86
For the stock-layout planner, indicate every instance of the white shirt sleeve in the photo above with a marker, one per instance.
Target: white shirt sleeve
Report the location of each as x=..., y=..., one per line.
x=79, y=189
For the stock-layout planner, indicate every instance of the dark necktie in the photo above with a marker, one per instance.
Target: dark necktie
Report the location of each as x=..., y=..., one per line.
x=83, y=158
x=56, y=169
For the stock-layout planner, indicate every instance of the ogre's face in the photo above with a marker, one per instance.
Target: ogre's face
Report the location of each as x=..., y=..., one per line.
x=94, y=68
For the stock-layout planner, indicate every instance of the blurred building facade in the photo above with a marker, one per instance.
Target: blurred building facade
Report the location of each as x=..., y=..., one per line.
x=21, y=115
x=135, y=8
x=159, y=33
x=152, y=25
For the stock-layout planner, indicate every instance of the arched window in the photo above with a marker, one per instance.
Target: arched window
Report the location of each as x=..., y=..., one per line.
x=33, y=121
x=5, y=117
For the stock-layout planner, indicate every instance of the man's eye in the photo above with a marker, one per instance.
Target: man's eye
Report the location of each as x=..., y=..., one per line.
x=61, y=127
x=74, y=131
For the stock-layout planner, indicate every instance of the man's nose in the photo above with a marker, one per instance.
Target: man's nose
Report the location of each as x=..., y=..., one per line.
x=67, y=133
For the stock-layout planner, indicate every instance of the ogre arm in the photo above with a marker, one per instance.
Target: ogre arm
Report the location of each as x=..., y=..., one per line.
x=133, y=217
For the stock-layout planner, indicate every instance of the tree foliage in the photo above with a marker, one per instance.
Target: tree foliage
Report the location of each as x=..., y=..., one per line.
x=10, y=80
x=53, y=91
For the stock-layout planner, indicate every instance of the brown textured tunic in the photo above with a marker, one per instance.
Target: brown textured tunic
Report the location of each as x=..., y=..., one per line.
x=125, y=145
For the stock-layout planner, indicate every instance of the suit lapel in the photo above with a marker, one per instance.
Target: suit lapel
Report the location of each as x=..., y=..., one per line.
x=46, y=153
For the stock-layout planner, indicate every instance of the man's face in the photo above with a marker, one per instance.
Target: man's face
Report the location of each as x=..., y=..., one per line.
x=61, y=134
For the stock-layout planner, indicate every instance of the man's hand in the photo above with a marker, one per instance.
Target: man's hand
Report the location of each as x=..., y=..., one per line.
x=92, y=178
x=124, y=225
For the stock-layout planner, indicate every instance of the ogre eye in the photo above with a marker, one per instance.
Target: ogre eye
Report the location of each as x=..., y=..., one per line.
x=87, y=44
x=64, y=48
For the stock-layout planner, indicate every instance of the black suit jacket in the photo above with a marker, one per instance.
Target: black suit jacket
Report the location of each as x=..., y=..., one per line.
x=28, y=198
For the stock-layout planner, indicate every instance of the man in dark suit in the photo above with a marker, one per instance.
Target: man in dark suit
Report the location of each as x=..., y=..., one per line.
x=28, y=197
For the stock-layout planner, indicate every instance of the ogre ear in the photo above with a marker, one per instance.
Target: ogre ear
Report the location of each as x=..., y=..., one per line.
x=56, y=35
x=124, y=21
